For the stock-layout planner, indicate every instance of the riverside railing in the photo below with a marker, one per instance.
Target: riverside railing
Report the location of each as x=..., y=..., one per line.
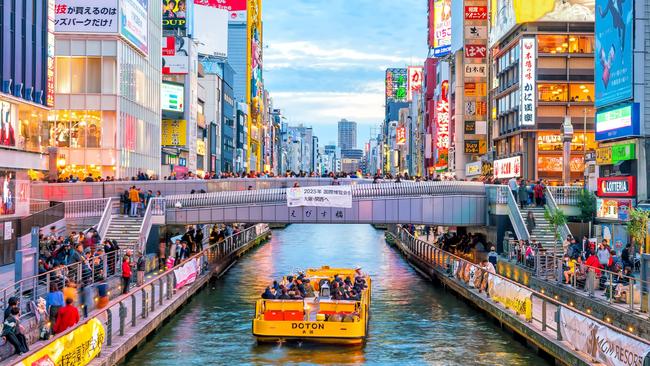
x=545, y=310
x=124, y=311
x=565, y=195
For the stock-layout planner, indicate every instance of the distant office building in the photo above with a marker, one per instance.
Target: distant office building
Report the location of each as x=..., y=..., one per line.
x=347, y=134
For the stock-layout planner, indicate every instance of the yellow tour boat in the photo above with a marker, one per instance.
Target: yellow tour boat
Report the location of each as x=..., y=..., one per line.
x=320, y=318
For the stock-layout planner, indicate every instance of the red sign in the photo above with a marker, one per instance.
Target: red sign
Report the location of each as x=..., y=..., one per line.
x=442, y=121
x=401, y=135
x=230, y=5
x=476, y=12
x=475, y=51
x=414, y=81
x=617, y=187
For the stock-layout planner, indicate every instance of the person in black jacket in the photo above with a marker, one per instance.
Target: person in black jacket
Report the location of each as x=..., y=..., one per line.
x=198, y=240
x=141, y=266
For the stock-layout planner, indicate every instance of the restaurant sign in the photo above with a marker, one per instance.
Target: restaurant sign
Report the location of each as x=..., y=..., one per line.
x=616, y=187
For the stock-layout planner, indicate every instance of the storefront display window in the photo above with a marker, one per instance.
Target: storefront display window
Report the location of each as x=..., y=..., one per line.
x=565, y=44
x=554, y=164
x=33, y=134
x=75, y=129
x=581, y=44
x=565, y=92
x=548, y=141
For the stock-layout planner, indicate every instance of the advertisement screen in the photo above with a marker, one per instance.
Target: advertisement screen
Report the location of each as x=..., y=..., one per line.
x=70, y=16
x=175, y=57
x=236, y=8
x=7, y=192
x=614, y=31
x=506, y=14
x=442, y=121
x=173, y=132
x=133, y=23
x=174, y=14
x=442, y=27
x=396, y=84
x=7, y=124
x=415, y=76
x=172, y=97
x=618, y=122
x=210, y=26
x=431, y=26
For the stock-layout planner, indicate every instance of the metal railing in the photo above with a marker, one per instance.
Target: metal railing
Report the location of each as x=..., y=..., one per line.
x=37, y=205
x=107, y=214
x=545, y=309
x=42, y=218
x=277, y=195
x=501, y=194
x=155, y=207
x=85, y=208
x=551, y=203
x=125, y=310
x=87, y=271
x=565, y=195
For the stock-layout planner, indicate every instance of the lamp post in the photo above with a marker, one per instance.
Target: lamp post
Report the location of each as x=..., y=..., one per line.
x=567, y=136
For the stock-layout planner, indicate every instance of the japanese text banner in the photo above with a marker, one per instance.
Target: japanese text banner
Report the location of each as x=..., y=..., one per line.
x=326, y=196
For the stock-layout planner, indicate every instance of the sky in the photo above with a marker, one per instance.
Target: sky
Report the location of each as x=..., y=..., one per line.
x=326, y=60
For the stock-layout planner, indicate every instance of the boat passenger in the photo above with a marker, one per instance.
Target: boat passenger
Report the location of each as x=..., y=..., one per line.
x=284, y=295
x=300, y=287
x=269, y=293
x=309, y=289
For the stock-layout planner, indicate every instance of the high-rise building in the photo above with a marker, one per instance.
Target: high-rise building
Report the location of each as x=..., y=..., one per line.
x=347, y=134
x=228, y=131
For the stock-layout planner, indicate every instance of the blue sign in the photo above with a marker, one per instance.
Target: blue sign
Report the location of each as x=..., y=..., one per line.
x=134, y=19
x=442, y=51
x=614, y=31
x=617, y=122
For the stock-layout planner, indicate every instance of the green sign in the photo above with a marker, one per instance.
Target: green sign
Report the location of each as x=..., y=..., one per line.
x=623, y=152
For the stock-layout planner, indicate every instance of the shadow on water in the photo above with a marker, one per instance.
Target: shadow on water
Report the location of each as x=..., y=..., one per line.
x=413, y=322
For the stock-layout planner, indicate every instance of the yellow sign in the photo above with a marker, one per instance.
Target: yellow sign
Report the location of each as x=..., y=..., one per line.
x=78, y=347
x=174, y=132
x=604, y=155
x=200, y=147
x=475, y=89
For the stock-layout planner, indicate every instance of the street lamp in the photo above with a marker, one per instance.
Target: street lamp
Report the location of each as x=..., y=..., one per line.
x=567, y=136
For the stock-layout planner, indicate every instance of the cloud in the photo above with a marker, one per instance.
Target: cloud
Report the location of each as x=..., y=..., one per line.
x=309, y=55
x=325, y=107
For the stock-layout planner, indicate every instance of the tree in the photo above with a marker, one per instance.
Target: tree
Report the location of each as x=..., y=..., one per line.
x=555, y=218
x=638, y=226
x=587, y=205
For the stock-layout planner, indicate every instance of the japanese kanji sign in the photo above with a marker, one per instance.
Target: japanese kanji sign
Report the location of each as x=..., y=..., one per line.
x=415, y=76
x=527, y=83
x=442, y=123
x=476, y=12
x=476, y=32
x=475, y=70
x=325, y=196
x=396, y=84
x=475, y=89
x=475, y=51
x=86, y=16
x=400, y=135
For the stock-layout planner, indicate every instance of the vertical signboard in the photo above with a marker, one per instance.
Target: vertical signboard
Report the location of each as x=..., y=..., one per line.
x=400, y=135
x=415, y=76
x=442, y=120
x=431, y=25
x=133, y=23
x=396, y=84
x=614, y=62
x=175, y=57
x=49, y=87
x=527, y=81
x=442, y=27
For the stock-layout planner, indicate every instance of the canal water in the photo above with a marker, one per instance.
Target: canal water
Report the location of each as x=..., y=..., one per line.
x=412, y=321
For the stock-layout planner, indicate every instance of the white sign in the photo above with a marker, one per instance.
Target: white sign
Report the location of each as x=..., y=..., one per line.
x=85, y=16
x=325, y=196
x=476, y=32
x=604, y=344
x=8, y=230
x=475, y=70
x=175, y=57
x=211, y=30
x=133, y=23
x=186, y=273
x=527, y=81
x=507, y=168
x=473, y=169
x=172, y=97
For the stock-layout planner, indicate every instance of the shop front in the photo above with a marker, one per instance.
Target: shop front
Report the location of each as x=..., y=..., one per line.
x=615, y=197
x=549, y=155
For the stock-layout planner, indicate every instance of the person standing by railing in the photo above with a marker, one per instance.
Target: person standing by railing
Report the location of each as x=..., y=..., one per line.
x=141, y=266
x=126, y=274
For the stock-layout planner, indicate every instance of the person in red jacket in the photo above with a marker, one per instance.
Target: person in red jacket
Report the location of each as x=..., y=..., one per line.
x=126, y=274
x=67, y=317
x=593, y=266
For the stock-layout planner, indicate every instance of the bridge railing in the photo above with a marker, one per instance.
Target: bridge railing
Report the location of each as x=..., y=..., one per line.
x=85, y=208
x=155, y=207
x=545, y=311
x=123, y=311
x=565, y=195
x=37, y=205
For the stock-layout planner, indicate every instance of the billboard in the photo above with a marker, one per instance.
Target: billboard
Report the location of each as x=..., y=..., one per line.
x=431, y=26
x=415, y=76
x=174, y=14
x=175, y=56
x=506, y=14
x=617, y=122
x=400, y=135
x=614, y=31
x=7, y=192
x=133, y=23
x=211, y=30
x=527, y=87
x=71, y=16
x=173, y=132
x=508, y=167
x=236, y=8
x=442, y=120
x=621, y=186
x=396, y=85
x=442, y=27
x=172, y=97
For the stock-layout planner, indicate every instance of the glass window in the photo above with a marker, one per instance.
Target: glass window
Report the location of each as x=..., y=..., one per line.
x=77, y=75
x=552, y=92
x=63, y=75
x=109, y=71
x=581, y=44
x=93, y=72
x=581, y=92
x=552, y=44
x=75, y=129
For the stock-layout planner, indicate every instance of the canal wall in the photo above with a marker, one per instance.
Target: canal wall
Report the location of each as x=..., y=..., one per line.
x=541, y=341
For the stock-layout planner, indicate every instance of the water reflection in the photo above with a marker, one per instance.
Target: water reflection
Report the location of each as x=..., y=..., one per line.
x=412, y=321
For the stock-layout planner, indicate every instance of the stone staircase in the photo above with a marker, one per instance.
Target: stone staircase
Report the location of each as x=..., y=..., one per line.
x=543, y=232
x=125, y=230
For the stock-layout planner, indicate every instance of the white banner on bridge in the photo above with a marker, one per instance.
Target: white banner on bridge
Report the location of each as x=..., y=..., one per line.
x=603, y=343
x=325, y=196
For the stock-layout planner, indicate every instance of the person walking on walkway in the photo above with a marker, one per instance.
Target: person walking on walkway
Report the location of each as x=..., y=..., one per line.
x=126, y=274
x=68, y=317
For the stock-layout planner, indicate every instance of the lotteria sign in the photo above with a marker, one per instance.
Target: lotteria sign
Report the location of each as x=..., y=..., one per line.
x=507, y=168
x=617, y=122
x=616, y=187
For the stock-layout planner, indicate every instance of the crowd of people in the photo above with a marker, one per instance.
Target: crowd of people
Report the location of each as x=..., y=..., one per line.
x=299, y=287
x=134, y=201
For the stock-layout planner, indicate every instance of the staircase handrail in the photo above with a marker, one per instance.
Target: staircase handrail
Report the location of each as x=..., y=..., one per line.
x=155, y=207
x=105, y=220
x=517, y=221
x=550, y=202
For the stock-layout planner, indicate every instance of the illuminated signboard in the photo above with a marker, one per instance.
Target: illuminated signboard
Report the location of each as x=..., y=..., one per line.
x=49, y=91
x=396, y=84
x=527, y=81
x=173, y=133
x=476, y=13
x=613, y=209
x=475, y=51
x=174, y=14
x=175, y=56
x=101, y=16
x=400, y=134
x=507, y=168
x=618, y=122
x=473, y=169
x=442, y=26
x=134, y=21
x=172, y=97
x=616, y=187
x=442, y=121
x=476, y=32
x=415, y=76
